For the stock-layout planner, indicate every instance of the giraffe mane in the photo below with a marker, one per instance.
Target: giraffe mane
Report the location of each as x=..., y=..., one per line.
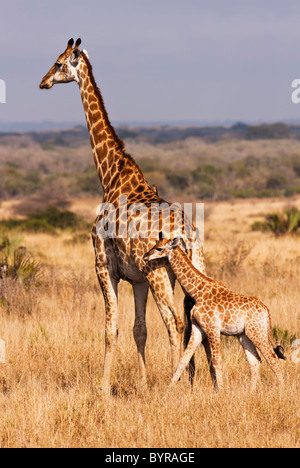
x=120, y=143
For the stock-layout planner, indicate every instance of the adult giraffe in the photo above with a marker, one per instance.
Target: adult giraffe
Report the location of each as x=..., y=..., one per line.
x=121, y=256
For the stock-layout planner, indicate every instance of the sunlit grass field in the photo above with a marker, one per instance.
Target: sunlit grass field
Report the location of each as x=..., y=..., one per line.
x=54, y=334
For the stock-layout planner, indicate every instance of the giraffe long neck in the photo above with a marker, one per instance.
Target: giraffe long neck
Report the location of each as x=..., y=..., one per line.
x=188, y=276
x=108, y=149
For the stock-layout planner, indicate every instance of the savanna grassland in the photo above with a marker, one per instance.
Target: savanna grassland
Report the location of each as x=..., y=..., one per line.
x=52, y=318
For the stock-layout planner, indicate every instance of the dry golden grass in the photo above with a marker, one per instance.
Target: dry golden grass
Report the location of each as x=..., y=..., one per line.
x=50, y=385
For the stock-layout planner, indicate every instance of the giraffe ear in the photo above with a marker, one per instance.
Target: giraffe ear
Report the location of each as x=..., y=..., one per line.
x=175, y=242
x=74, y=57
x=179, y=241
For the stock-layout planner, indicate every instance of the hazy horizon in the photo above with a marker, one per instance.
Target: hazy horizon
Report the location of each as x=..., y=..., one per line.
x=24, y=127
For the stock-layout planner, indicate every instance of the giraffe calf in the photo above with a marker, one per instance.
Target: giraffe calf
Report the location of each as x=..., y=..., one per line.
x=218, y=310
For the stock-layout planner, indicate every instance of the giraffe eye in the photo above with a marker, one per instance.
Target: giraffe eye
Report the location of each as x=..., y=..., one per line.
x=58, y=64
x=159, y=249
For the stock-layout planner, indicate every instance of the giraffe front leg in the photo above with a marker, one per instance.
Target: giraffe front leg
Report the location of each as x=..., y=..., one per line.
x=107, y=277
x=140, y=291
x=216, y=368
x=162, y=288
x=109, y=289
x=212, y=370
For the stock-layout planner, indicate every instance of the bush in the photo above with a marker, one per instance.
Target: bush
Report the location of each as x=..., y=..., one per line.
x=15, y=182
x=275, y=182
x=56, y=218
x=287, y=222
x=47, y=221
x=37, y=225
x=268, y=131
x=178, y=181
x=205, y=181
x=244, y=193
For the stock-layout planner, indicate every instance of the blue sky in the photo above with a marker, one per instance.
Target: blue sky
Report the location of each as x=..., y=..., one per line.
x=155, y=60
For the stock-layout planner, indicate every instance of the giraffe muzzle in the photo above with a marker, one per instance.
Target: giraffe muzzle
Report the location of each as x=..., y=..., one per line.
x=45, y=85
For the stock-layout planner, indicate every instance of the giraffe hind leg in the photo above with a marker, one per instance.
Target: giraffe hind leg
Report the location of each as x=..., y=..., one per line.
x=252, y=357
x=259, y=337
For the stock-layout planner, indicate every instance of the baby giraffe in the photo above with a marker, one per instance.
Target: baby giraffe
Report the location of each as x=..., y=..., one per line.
x=218, y=310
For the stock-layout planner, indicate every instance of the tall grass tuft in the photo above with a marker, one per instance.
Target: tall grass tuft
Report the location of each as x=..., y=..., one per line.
x=17, y=263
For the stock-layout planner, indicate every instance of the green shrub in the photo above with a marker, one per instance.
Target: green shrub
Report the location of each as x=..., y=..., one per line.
x=200, y=177
x=209, y=169
x=47, y=221
x=287, y=222
x=244, y=193
x=56, y=218
x=37, y=225
x=276, y=182
x=268, y=131
x=179, y=181
x=16, y=182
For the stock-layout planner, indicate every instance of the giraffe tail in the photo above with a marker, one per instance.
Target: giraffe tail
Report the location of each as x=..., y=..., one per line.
x=279, y=350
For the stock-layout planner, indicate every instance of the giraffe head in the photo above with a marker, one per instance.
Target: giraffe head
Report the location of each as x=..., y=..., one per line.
x=65, y=68
x=164, y=247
